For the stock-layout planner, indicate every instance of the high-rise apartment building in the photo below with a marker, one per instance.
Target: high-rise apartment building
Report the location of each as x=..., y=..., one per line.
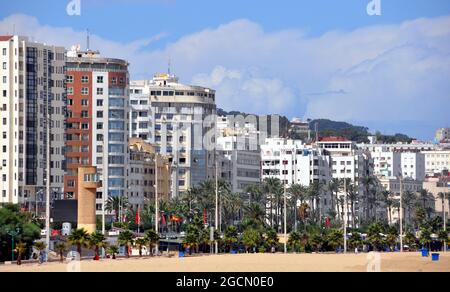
x=97, y=123
x=178, y=121
x=32, y=119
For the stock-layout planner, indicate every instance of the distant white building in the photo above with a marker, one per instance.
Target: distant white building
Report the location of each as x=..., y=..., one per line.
x=240, y=166
x=413, y=166
x=436, y=161
x=386, y=163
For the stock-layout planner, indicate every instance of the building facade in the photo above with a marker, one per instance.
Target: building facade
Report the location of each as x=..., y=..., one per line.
x=182, y=116
x=32, y=117
x=142, y=174
x=413, y=165
x=98, y=123
x=443, y=135
x=436, y=162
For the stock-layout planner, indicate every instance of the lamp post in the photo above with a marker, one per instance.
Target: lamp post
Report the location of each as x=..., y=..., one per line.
x=401, y=213
x=13, y=234
x=156, y=202
x=345, y=210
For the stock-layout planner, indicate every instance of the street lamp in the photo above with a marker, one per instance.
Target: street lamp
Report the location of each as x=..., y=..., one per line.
x=13, y=234
x=401, y=213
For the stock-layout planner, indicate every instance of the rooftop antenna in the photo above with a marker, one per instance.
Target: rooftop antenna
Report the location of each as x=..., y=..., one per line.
x=87, y=40
x=168, y=66
x=317, y=132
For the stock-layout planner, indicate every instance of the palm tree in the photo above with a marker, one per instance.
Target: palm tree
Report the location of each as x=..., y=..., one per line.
x=389, y=202
x=80, y=238
x=113, y=250
x=273, y=188
x=424, y=196
x=272, y=238
x=374, y=236
x=21, y=248
x=97, y=240
x=443, y=237
x=152, y=238
x=115, y=204
x=297, y=193
x=40, y=246
x=230, y=237
x=368, y=182
x=232, y=204
x=409, y=198
x=255, y=213
x=335, y=238
x=355, y=240
x=294, y=241
x=333, y=188
x=255, y=194
x=126, y=239
x=61, y=248
x=140, y=243
x=425, y=237
x=353, y=196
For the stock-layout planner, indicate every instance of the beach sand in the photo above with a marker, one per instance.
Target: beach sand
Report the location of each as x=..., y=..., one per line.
x=389, y=262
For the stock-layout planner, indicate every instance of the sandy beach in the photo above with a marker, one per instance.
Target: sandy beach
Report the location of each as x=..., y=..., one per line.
x=392, y=262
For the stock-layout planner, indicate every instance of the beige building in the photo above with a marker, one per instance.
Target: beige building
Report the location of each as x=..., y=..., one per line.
x=443, y=134
x=436, y=186
x=142, y=174
x=88, y=183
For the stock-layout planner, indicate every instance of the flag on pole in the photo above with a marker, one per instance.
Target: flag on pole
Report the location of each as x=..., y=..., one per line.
x=163, y=219
x=205, y=220
x=138, y=216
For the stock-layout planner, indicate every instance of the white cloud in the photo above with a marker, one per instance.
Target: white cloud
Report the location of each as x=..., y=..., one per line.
x=391, y=74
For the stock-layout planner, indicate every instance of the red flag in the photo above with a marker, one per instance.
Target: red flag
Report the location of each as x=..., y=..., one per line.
x=327, y=222
x=138, y=217
x=205, y=220
x=163, y=219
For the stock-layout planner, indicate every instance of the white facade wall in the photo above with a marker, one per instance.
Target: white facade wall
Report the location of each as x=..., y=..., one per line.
x=436, y=161
x=413, y=166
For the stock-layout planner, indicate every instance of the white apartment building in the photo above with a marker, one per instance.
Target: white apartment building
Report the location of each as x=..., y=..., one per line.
x=182, y=118
x=240, y=166
x=385, y=163
x=413, y=165
x=31, y=86
x=443, y=135
x=436, y=162
x=141, y=122
x=293, y=162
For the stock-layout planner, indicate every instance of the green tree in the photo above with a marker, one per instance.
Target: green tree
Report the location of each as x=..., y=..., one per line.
x=410, y=239
x=79, y=238
x=335, y=238
x=355, y=240
x=298, y=194
x=443, y=237
x=374, y=236
x=230, y=237
x=21, y=248
x=11, y=219
x=251, y=239
x=294, y=241
x=61, y=248
x=140, y=243
x=126, y=239
x=97, y=240
x=152, y=238
x=115, y=204
x=425, y=237
x=113, y=250
x=272, y=238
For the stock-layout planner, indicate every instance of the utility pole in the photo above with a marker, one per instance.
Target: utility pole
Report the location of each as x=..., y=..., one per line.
x=401, y=213
x=445, y=220
x=156, y=201
x=345, y=210
x=47, y=182
x=217, y=202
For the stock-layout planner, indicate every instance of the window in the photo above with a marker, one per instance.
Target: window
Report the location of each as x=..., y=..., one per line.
x=84, y=79
x=99, y=79
x=84, y=114
x=69, y=79
x=99, y=91
x=114, y=80
x=99, y=126
x=70, y=102
x=84, y=102
x=4, y=79
x=4, y=65
x=84, y=91
x=4, y=93
x=4, y=135
x=85, y=126
x=4, y=149
x=69, y=90
x=99, y=102
x=4, y=121
x=4, y=52
x=4, y=163
x=99, y=114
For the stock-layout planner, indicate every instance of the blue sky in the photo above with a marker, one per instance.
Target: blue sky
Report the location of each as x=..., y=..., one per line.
x=298, y=58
